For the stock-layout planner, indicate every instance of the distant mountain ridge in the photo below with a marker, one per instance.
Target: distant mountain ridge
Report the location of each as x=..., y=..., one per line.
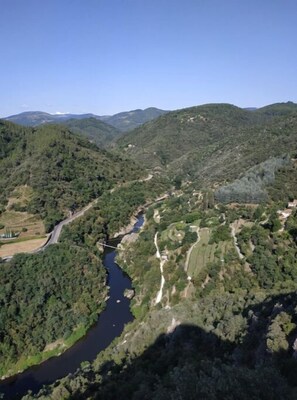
x=36, y=118
x=123, y=121
x=128, y=120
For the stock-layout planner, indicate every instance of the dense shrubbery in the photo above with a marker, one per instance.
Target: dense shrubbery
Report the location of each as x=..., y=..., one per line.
x=284, y=187
x=220, y=234
x=273, y=259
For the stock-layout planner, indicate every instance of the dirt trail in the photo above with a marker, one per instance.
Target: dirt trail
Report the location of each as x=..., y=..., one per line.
x=240, y=255
x=162, y=262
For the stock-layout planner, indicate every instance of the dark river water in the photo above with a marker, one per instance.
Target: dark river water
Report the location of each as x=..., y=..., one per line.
x=110, y=324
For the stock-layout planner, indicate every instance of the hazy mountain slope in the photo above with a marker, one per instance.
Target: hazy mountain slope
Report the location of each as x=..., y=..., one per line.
x=94, y=130
x=123, y=121
x=35, y=118
x=126, y=121
x=64, y=170
x=210, y=142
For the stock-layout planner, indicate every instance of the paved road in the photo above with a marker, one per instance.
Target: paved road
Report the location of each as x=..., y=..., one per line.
x=56, y=232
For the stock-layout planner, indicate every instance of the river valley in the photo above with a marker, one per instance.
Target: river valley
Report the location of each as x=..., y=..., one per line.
x=109, y=325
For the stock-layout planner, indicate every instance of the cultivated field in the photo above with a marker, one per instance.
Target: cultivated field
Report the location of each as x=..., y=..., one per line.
x=204, y=253
x=200, y=253
x=29, y=227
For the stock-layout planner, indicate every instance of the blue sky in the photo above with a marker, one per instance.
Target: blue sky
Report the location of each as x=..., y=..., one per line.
x=107, y=56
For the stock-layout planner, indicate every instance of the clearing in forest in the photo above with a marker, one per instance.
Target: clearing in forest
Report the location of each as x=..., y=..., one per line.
x=25, y=224
x=29, y=229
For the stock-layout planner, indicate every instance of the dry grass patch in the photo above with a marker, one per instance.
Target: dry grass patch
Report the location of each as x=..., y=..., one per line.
x=17, y=221
x=26, y=246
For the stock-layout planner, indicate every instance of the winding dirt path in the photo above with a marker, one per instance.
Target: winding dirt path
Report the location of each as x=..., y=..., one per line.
x=240, y=255
x=247, y=266
x=162, y=262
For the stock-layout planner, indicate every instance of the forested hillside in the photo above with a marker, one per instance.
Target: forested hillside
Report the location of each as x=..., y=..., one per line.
x=63, y=170
x=213, y=142
x=94, y=130
x=47, y=302
x=128, y=120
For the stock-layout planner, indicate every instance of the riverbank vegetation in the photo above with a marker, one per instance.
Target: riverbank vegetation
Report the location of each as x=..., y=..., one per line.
x=57, y=294
x=44, y=298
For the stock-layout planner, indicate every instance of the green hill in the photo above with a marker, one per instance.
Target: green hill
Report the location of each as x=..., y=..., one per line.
x=94, y=130
x=64, y=171
x=36, y=118
x=128, y=120
x=212, y=142
x=279, y=109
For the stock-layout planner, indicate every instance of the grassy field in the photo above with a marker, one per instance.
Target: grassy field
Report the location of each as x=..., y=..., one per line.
x=200, y=253
x=21, y=246
x=174, y=232
x=19, y=221
x=15, y=219
x=30, y=228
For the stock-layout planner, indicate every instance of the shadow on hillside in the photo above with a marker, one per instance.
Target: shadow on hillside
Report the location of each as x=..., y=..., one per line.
x=190, y=363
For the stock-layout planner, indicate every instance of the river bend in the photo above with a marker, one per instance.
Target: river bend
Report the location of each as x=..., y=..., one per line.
x=110, y=324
